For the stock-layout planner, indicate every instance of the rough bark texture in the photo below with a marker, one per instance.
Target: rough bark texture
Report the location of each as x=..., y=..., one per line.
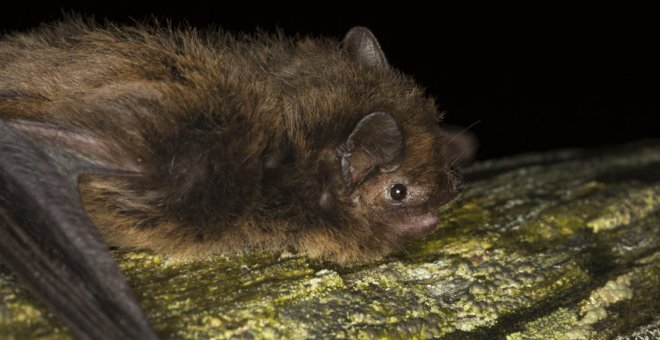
x=560, y=245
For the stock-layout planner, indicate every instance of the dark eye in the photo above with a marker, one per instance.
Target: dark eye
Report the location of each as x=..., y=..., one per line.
x=398, y=192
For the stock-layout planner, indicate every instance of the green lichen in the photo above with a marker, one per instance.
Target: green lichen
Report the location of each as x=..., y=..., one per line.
x=539, y=246
x=549, y=327
x=599, y=315
x=635, y=205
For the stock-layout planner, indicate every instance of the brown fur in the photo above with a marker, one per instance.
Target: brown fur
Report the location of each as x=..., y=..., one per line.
x=231, y=140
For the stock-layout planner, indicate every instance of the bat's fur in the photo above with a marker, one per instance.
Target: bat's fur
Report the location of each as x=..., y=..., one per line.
x=231, y=142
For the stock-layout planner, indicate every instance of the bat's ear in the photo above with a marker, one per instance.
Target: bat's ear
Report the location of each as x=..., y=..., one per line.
x=360, y=43
x=460, y=145
x=375, y=143
x=76, y=150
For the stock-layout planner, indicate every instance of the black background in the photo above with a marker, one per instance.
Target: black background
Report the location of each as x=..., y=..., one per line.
x=532, y=77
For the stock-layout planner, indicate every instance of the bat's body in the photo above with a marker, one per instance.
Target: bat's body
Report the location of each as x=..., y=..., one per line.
x=198, y=143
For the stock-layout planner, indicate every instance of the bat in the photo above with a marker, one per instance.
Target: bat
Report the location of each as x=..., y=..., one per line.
x=198, y=142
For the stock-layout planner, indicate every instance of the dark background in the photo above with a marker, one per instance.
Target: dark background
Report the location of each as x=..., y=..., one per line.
x=531, y=77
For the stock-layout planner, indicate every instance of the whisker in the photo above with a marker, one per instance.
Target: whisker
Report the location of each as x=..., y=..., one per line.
x=453, y=171
x=451, y=164
x=464, y=130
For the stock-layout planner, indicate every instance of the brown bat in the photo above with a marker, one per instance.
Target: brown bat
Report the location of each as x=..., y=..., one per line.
x=194, y=143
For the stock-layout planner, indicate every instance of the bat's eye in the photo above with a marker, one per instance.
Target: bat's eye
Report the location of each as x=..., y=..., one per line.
x=398, y=192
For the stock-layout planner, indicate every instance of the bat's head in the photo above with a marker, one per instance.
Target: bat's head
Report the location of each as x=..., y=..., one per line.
x=394, y=159
x=399, y=180
x=396, y=180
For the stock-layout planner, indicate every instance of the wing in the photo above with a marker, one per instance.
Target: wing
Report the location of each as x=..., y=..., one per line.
x=49, y=242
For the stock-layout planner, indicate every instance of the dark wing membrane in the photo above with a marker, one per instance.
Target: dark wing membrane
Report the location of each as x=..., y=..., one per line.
x=49, y=242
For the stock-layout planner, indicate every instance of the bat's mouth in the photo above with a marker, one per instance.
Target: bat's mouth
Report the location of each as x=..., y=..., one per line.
x=415, y=222
x=419, y=225
x=419, y=221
